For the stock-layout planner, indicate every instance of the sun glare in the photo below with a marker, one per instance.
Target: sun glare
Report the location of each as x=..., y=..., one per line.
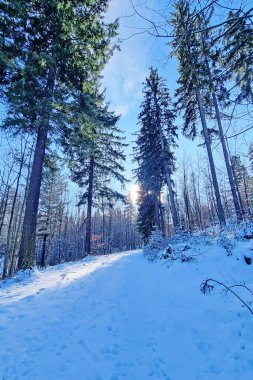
x=133, y=192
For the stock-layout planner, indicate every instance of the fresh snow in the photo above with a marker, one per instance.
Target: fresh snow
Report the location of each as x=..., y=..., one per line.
x=121, y=317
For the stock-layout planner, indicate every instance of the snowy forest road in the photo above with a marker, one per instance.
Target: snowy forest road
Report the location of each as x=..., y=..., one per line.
x=112, y=318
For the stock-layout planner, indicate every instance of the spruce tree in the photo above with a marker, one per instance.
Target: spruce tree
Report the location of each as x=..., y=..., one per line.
x=95, y=150
x=154, y=154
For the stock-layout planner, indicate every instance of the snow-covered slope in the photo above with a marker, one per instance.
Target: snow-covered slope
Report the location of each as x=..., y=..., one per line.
x=122, y=317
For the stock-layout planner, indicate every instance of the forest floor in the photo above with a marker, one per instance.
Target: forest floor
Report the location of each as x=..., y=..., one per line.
x=120, y=317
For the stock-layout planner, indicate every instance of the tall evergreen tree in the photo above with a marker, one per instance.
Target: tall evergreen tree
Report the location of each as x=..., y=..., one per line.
x=213, y=79
x=192, y=93
x=95, y=149
x=63, y=41
x=154, y=154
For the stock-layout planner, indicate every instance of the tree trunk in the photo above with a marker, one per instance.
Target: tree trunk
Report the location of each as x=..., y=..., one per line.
x=103, y=225
x=87, y=247
x=237, y=187
x=196, y=201
x=238, y=209
x=8, y=243
x=43, y=251
x=4, y=207
x=220, y=210
x=157, y=213
x=5, y=197
x=109, y=250
x=26, y=257
x=246, y=193
x=60, y=237
x=172, y=200
x=163, y=229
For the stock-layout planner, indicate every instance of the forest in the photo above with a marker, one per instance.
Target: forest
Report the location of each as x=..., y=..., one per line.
x=64, y=194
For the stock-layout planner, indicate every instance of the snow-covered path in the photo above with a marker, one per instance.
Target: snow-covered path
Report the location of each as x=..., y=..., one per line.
x=121, y=317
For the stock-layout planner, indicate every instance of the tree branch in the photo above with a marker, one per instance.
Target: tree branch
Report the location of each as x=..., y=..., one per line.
x=206, y=288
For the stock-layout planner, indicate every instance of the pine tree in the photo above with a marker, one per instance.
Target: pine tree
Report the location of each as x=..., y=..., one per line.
x=64, y=40
x=154, y=155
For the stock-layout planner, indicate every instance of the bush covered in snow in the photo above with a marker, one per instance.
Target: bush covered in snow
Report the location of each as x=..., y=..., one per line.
x=227, y=243
x=184, y=247
x=244, y=230
x=180, y=236
x=181, y=247
x=157, y=246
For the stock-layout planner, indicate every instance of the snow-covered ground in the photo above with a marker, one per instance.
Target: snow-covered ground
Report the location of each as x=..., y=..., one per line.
x=122, y=317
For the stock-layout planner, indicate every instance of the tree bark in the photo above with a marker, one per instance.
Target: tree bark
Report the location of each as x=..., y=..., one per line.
x=163, y=229
x=157, y=213
x=172, y=200
x=43, y=251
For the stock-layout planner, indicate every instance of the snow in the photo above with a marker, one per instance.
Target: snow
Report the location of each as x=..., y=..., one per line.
x=122, y=317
